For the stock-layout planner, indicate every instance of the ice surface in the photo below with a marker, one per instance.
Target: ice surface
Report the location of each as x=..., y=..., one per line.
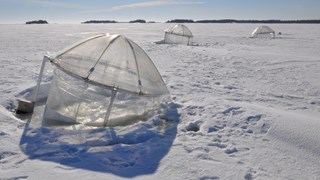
x=242, y=108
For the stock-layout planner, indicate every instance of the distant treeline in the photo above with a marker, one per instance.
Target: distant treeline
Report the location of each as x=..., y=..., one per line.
x=314, y=21
x=181, y=21
x=138, y=21
x=308, y=21
x=37, y=22
x=99, y=21
x=113, y=21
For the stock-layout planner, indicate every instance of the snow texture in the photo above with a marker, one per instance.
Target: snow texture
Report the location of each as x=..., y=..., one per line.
x=242, y=108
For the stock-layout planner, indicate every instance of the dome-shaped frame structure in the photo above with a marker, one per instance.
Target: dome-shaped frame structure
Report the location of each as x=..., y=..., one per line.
x=263, y=31
x=112, y=61
x=100, y=73
x=178, y=34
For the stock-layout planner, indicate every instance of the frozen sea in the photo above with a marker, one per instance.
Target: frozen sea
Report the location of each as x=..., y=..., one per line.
x=242, y=108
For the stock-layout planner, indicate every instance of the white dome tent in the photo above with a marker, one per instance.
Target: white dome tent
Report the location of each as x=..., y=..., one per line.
x=105, y=80
x=178, y=34
x=263, y=31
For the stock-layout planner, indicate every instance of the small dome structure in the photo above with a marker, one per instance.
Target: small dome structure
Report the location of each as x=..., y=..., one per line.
x=178, y=34
x=263, y=31
x=105, y=80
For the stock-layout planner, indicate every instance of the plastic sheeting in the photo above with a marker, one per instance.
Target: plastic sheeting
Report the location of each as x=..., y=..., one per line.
x=105, y=80
x=114, y=61
x=72, y=101
x=263, y=31
x=178, y=34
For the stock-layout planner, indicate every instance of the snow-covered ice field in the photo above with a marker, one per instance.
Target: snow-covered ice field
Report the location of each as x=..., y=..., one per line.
x=241, y=108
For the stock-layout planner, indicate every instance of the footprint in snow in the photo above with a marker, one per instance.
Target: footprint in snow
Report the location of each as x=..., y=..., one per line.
x=216, y=128
x=250, y=174
x=257, y=123
x=2, y=133
x=209, y=178
x=265, y=128
x=233, y=111
x=6, y=154
x=254, y=118
x=194, y=110
x=219, y=145
x=193, y=126
x=231, y=150
x=16, y=178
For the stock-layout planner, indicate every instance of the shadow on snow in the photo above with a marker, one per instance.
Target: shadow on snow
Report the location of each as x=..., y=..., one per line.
x=123, y=151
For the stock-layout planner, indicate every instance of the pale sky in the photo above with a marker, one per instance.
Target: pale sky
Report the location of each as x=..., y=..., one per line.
x=76, y=11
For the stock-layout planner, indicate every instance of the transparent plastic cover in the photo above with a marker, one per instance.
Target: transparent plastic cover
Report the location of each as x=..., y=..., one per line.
x=179, y=29
x=114, y=61
x=262, y=30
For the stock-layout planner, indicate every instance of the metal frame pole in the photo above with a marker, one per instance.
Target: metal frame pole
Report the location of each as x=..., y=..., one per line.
x=45, y=58
x=113, y=96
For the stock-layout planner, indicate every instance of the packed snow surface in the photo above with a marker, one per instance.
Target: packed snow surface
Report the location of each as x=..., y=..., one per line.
x=242, y=108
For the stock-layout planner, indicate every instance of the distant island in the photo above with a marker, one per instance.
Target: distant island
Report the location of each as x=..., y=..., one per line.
x=311, y=21
x=99, y=21
x=181, y=21
x=37, y=22
x=112, y=21
x=138, y=21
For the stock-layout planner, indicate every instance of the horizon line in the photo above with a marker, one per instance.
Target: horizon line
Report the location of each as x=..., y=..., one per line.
x=168, y=21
